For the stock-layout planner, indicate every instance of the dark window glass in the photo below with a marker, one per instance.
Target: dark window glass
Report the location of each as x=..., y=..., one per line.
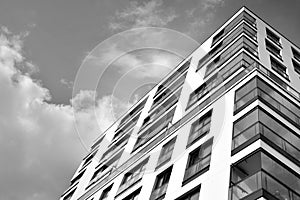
x=191, y=195
x=133, y=176
x=218, y=36
x=105, y=193
x=166, y=152
x=271, y=35
x=261, y=171
x=273, y=49
x=278, y=67
x=200, y=128
x=271, y=97
x=199, y=160
x=161, y=184
x=69, y=196
x=258, y=123
x=134, y=195
x=296, y=54
x=174, y=76
x=296, y=66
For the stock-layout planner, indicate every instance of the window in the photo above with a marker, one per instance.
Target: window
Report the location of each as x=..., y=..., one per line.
x=215, y=49
x=69, y=196
x=133, y=112
x=155, y=129
x=199, y=161
x=273, y=49
x=174, y=76
x=261, y=171
x=212, y=66
x=193, y=194
x=134, y=195
x=258, y=89
x=105, y=193
x=166, y=152
x=278, y=67
x=200, y=128
x=97, y=143
x=161, y=184
x=88, y=159
x=77, y=178
x=201, y=91
x=296, y=54
x=272, y=36
x=218, y=36
x=133, y=176
x=259, y=124
x=296, y=66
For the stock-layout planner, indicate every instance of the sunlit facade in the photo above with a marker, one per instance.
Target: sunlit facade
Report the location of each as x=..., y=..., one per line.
x=223, y=125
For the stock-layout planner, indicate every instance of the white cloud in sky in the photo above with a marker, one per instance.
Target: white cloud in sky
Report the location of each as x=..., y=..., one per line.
x=143, y=14
x=39, y=144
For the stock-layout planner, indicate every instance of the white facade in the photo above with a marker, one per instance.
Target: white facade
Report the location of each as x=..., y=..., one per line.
x=214, y=183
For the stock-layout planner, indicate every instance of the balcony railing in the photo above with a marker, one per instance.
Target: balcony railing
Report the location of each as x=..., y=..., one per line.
x=159, y=192
x=197, y=168
x=130, y=182
x=275, y=138
x=165, y=158
x=257, y=93
x=258, y=181
x=236, y=21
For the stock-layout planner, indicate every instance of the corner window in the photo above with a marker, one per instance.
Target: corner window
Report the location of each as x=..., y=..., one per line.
x=296, y=54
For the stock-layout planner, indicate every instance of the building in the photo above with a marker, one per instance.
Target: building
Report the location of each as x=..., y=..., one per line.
x=224, y=124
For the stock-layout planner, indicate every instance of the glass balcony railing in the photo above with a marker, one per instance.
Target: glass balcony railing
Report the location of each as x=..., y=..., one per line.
x=289, y=110
x=130, y=182
x=197, y=168
x=258, y=181
x=243, y=16
x=159, y=192
x=277, y=139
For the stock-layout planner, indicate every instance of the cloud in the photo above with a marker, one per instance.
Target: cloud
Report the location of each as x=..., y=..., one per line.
x=65, y=82
x=201, y=15
x=144, y=14
x=39, y=143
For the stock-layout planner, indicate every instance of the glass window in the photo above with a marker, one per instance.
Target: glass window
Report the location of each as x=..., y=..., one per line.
x=218, y=36
x=105, y=193
x=69, y=196
x=271, y=35
x=296, y=66
x=166, y=152
x=261, y=171
x=200, y=128
x=191, y=195
x=278, y=67
x=273, y=49
x=296, y=54
x=199, y=160
x=133, y=196
x=161, y=184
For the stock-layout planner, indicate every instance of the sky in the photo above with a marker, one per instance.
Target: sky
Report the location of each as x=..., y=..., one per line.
x=70, y=68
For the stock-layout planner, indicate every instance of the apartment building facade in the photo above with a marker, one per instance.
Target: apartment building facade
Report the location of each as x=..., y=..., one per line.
x=224, y=124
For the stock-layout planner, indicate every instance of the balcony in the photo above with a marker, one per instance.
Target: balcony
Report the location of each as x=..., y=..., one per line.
x=159, y=192
x=273, y=99
x=197, y=169
x=261, y=181
x=130, y=182
x=243, y=16
x=164, y=159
